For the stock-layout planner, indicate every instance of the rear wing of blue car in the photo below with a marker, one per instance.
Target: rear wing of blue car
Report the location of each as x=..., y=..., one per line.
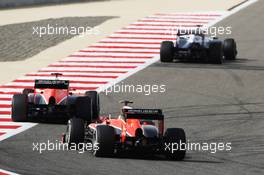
x=147, y=114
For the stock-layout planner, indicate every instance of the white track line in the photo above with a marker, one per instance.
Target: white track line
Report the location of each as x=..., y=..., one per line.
x=5, y=102
x=4, y=110
x=7, y=172
x=5, y=116
x=4, y=131
x=233, y=11
x=5, y=89
x=9, y=124
x=5, y=96
x=11, y=132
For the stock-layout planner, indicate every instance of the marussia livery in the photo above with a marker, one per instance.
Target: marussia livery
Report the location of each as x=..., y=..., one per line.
x=194, y=45
x=50, y=99
x=137, y=130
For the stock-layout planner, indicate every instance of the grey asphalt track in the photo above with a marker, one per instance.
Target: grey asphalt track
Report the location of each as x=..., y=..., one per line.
x=213, y=103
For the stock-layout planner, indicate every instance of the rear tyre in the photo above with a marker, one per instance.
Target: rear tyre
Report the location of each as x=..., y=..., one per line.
x=27, y=91
x=230, y=50
x=83, y=108
x=93, y=95
x=105, y=138
x=19, y=108
x=216, y=53
x=177, y=137
x=166, y=51
x=75, y=131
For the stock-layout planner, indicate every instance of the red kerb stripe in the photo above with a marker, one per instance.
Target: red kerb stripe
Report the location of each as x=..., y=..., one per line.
x=5, y=119
x=9, y=126
x=109, y=56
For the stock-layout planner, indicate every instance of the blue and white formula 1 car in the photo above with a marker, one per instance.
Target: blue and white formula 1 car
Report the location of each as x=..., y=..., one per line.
x=194, y=45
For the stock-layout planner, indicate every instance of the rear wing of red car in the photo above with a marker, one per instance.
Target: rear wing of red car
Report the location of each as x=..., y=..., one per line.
x=147, y=114
x=52, y=84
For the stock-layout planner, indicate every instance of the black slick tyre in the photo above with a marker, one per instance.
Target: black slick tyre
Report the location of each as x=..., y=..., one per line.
x=177, y=137
x=83, y=108
x=105, y=138
x=166, y=51
x=19, y=108
x=216, y=53
x=94, y=96
x=75, y=131
x=230, y=50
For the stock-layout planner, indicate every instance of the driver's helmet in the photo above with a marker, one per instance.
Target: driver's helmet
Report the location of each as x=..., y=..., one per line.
x=125, y=107
x=122, y=116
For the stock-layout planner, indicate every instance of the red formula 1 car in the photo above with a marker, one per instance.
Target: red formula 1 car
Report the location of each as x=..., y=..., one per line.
x=136, y=130
x=50, y=99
